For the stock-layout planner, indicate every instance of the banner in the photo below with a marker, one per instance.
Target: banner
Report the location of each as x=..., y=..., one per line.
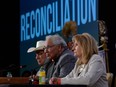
x=39, y=18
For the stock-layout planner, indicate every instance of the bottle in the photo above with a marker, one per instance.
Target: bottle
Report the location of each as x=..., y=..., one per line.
x=42, y=75
x=9, y=74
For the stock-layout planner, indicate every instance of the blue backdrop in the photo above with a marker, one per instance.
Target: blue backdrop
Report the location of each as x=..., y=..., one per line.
x=39, y=18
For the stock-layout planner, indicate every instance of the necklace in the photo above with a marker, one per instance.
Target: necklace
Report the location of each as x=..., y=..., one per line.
x=81, y=68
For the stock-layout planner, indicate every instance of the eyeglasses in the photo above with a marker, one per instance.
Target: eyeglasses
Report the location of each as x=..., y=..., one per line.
x=49, y=46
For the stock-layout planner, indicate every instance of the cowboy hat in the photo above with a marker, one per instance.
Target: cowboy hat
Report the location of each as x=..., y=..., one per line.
x=40, y=45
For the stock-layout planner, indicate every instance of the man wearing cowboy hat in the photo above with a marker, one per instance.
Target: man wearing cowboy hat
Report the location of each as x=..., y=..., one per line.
x=40, y=56
x=39, y=50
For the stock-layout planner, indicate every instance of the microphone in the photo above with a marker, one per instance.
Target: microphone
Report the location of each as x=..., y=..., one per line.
x=12, y=67
x=22, y=66
x=45, y=63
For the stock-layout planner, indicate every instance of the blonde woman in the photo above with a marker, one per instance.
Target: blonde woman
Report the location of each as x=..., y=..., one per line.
x=89, y=69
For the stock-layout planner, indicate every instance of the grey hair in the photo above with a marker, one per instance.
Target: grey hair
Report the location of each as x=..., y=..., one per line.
x=56, y=39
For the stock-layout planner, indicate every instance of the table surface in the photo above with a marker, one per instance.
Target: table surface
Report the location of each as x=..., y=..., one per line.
x=25, y=82
x=31, y=85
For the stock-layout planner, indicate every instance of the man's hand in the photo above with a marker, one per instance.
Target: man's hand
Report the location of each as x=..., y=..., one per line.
x=55, y=80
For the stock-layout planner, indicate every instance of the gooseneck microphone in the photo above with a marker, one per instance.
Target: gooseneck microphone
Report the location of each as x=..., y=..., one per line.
x=23, y=66
x=13, y=67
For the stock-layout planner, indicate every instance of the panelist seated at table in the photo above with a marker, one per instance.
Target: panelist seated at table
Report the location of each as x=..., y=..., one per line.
x=40, y=55
x=61, y=59
x=89, y=69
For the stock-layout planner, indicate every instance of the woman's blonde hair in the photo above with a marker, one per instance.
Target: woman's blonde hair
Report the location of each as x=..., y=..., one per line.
x=88, y=45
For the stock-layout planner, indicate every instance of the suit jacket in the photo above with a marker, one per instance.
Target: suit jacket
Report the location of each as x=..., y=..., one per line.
x=93, y=75
x=62, y=66
x=65, y=64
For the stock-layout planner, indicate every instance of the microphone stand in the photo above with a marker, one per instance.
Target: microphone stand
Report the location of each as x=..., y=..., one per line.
x=10, y=68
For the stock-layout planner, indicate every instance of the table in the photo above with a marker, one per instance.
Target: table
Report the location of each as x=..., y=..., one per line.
x=24, y=82
x=14, y=80
x=28, y=85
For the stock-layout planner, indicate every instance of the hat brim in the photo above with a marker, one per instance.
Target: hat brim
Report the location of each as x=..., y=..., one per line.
x=32, y=49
